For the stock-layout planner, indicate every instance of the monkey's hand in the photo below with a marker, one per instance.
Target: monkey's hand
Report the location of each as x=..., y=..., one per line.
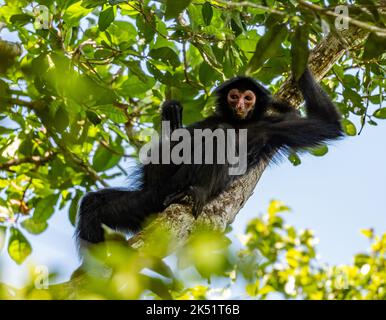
x=172, y=111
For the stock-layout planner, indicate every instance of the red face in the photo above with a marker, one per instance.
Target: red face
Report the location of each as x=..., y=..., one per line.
x=241, y=102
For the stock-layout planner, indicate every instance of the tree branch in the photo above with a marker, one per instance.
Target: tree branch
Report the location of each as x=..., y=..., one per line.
x=353, y=21
x=10, y=48
x=37, y=160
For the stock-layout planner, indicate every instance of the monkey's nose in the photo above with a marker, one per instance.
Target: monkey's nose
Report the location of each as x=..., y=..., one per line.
x=240, y=107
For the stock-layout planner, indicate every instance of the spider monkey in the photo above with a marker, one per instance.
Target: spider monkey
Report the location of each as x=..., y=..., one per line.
x=242, y=103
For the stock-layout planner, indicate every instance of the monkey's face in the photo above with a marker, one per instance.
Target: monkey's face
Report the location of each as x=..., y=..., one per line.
x=241, y=102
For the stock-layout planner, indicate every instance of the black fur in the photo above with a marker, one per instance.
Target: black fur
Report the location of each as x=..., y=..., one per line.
x=161, y=185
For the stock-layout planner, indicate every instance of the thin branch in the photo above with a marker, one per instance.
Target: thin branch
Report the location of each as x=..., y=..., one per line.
x=353, y=21
x=248, y=4
x=36, y=160
x=108, y=147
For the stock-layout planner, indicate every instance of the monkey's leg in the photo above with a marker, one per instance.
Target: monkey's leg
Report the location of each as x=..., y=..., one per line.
x=197, y=194
x=175, y=197
x=118, y=209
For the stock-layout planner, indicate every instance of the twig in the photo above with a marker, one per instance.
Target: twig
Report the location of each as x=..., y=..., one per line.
x=37, y=160
x=230, y=4
x=353, y=21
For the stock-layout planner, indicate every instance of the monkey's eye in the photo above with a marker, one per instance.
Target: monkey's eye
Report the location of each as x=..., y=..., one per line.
x=248, y=98
x=234, y=96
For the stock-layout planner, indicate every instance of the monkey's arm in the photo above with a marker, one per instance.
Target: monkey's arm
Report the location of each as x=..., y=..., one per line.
x=321, y=124
x=301, y=133
x=172, y=111
x=318, y=103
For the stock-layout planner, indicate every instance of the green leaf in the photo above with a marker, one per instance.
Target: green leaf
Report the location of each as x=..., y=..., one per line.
x=74, y=14
x=102, y=54
x=45, y=208
x=294, y=159
x=106, y=17
x=319, y=151
x=207, y=74
x=74, y=207
x=92, y=3
x=368, y=233
x=135, y=68
x=380, y=113
x=252, y=289
x=21, y=19
x=374, y=47
x=114, y=2
x=112, y=113
x=207, y=13
x=146, y=28
x=4, y=130
x=61, y=120
x=18, y=246
x=93, y=117
x=299, y=51
x=157, y=286
x=174, y=8
x=268, y=45
x=166, y=54
x=349, y=128
x=103, y=159
x=34, y=226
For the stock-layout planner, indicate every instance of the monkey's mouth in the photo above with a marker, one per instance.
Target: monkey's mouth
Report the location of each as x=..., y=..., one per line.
x=241, y=114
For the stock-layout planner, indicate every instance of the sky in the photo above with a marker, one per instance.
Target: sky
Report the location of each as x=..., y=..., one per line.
x=335, y=195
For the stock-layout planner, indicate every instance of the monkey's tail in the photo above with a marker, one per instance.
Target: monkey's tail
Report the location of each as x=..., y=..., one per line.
x=117, y=208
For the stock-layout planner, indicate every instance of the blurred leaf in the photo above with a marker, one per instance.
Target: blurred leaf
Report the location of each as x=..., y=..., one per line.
x=368, y=233
x=21, y=19
x=174, y=8
x=45, y=208
x=166, y=54
x=61, y=120
x=34, y=226
x=93, y=117
x=158, y=287
x=319, y=151
x=92, y=3
x=18, y=246
x=374, y=46
x=74, y=13
x=348, y=127
x=106, y=17
x=4, y=130
x=294, y=159
x=103, y=159
x=380, y=113
x=207, y=13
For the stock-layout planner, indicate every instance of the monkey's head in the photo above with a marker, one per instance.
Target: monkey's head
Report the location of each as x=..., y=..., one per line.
x=242, y=99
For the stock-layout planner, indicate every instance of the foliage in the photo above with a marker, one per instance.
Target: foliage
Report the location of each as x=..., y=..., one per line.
x=275, y=261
